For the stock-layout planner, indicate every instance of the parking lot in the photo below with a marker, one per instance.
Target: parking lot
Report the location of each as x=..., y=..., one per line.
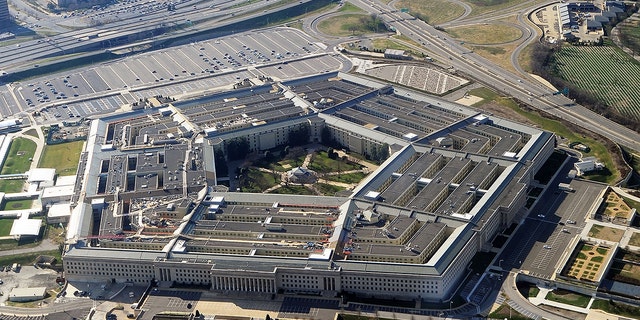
x=551, y=225
x=281, y=53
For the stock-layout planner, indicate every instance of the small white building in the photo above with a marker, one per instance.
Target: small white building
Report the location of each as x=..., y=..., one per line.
x=42, y=177
x=24, y=226
x=587, y=164
x=27, y=294
x=56, y=194
x=59, y=213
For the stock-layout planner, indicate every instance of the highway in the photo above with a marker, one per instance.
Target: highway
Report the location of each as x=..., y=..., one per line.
x=212, y=14
x=532, y=93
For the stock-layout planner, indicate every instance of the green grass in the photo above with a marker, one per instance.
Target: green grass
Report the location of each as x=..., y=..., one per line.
x=17, y=161
x=611, y=77
x=533, y=291
x=486, y=33
x=350, y=8
x=595, y=230
x=597, y=149
x=321, y=163
x=568, y=297
x=388, y=43
x=28, y=258
x=11, y=186
x=328, y=189
x=32, y=132
x=63, y=157
x=616, y=308
x=347, y=25
x=635, y=239
x=5, y=227
x=433, y=12
x=506, y=312
x=257, y=181
x=17, y=204
x=353, y=177
x=293, y=189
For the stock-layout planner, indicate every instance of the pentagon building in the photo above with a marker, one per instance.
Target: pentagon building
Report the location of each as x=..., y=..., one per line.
x=148, y=204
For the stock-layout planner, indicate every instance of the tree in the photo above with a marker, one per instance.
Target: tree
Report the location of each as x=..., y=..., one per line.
x=300, y=136
x=237, y=148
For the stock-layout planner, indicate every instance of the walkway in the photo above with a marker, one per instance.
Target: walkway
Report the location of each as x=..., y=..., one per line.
x=45, y=245
x=540, y=299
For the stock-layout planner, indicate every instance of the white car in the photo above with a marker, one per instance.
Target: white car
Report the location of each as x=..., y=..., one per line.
x=546, y=246
x=541, y=216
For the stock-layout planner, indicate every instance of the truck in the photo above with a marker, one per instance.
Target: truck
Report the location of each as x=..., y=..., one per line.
x=15, y=267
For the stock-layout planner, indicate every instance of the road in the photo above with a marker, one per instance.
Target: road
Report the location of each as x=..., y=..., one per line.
x=510, y=289
x=534, y=94
x=213, y=14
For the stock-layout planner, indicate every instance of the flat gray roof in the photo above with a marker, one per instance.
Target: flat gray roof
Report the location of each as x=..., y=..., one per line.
x=441, y=180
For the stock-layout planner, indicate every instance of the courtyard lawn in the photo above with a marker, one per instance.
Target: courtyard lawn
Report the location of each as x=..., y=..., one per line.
x=17, y=204
x=328, y=189
x=568, y=297
x=5, y=227
x=63, y=157
x=11, y=186
x=606, y=233
x=18, y=158
x=635, y=239
x=353, y=177
x=258, y=181
x=321, y=163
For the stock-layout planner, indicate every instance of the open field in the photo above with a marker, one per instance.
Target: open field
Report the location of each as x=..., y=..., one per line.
x=611, y=77
x=484, y=6
x=63, y=157
x=568, y=297
x=431, y=11
x=486, y=33
x=19, y=157
x=344, y=25
x=500, y=55
x=508, y=108
x=388, y=43
x=606, y=233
